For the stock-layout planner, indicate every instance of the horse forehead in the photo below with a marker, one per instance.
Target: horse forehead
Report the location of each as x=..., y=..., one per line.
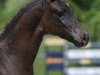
x=60, y=4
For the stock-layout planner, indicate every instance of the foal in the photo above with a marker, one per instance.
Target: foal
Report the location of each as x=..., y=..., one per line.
x=20, y=41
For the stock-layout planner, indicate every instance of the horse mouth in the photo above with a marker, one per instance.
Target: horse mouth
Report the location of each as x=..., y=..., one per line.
x=79, y=44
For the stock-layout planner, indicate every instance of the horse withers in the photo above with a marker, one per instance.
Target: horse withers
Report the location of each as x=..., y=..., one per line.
x=20, y=41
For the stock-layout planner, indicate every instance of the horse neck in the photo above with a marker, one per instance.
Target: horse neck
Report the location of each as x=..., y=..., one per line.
x=19, y=58
x=25, y=38
x=27, y=26
x=20, y=45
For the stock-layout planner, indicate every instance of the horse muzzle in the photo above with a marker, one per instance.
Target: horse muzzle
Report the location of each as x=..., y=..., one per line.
x=83, y=41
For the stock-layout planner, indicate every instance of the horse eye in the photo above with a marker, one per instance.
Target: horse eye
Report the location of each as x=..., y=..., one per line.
x=60, y=13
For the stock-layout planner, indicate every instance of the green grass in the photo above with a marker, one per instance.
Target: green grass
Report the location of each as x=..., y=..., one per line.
x=39, y=68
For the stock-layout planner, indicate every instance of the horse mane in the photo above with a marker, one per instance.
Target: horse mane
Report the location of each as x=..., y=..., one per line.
x=17, y=17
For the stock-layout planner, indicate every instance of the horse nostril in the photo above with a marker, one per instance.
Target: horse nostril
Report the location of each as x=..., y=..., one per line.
x=85, y=38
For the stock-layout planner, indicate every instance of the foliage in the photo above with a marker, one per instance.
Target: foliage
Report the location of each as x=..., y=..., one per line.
x=11, y=8
x=2, y=2
x=88, y=14
x=84, y=4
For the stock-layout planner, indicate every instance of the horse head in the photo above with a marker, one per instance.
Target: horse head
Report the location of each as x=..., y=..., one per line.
x=59, y=20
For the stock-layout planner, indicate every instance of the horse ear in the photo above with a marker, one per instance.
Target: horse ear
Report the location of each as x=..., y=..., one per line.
x=49, y=1
x=52, y=0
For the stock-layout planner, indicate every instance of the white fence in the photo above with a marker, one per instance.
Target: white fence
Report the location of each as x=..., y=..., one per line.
x=83, y=71
x=83, y=53
x=83, y=57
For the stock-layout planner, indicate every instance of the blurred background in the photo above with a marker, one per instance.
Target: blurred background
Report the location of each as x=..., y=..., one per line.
x=88, y=14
